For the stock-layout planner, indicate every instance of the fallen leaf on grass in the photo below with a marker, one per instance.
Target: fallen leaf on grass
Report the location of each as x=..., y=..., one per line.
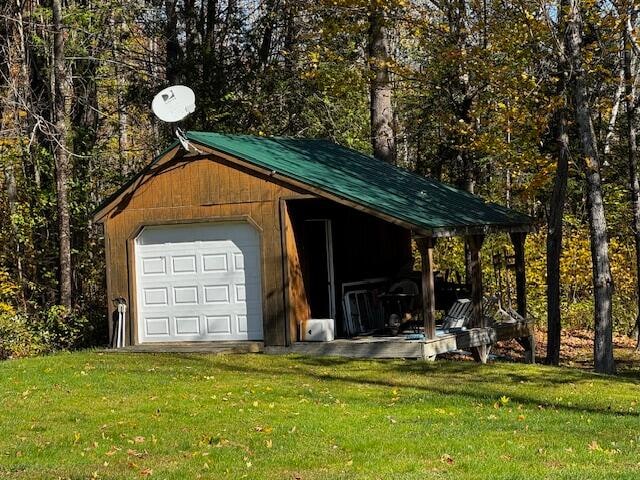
x=593, y=446
x=147, y=472
x=112, y=451
x=134, y=453
x=446, y=458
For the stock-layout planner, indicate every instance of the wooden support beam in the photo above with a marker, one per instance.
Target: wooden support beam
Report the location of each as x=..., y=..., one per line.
x=425, y=245
x=481, y=352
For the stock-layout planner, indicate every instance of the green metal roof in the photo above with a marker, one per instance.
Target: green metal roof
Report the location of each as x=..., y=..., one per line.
x=362, y=179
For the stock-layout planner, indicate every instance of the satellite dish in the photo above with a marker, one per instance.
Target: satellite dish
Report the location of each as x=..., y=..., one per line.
x=174, y=103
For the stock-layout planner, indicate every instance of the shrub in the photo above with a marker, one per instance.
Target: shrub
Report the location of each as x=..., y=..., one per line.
x=57, y=328
x=63, y=329
x=18, y=338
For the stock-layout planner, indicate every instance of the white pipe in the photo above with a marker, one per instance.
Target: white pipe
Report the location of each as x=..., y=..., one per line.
x=122, y=309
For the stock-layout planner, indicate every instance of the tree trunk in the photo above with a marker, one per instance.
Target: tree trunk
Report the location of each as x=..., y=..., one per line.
x=554, y=241
x=630, y=104
x=173, y=46
x=264, y=51
x=556, y=211
x=602, y=281
x=62, y=97
x=381, y=108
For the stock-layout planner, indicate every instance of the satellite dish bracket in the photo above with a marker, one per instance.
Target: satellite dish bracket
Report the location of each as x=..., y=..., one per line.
x=184, y=141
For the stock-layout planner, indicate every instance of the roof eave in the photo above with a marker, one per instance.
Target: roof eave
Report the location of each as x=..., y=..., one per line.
x=466, y=230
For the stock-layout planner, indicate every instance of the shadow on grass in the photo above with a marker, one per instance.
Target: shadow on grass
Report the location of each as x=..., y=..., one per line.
x=465, y=379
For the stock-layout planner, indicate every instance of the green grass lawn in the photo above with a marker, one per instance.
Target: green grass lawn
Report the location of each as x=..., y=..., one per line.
x=94, y=415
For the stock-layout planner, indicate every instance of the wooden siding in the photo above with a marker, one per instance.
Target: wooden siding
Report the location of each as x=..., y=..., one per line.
x=189, y=191
x=298, y=305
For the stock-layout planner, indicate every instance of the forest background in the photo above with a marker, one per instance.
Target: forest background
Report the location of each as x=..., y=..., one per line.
x=530, y=104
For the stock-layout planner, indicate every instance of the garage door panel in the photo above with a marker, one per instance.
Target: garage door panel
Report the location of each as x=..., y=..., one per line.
x=199, y=283
x=187, y=325
x=157, y=326
x=183, y=264
x=187, y=295
x=241, y=323
x=156, y=296
x=153, y=265
x=241, y=293
x=214, y=262
x=216, y=294
x=218, y=324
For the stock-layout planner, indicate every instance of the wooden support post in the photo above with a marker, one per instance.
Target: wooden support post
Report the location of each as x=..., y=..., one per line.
x=518, y=239
x=425, y=245
x=481, y=352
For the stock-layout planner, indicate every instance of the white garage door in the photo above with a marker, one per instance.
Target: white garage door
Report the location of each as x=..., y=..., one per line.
x=199, y=282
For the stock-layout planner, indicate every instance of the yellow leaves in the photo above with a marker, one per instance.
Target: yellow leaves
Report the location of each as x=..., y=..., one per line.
x=8, y=288
x=593, y=446
x=394, y=397
x=112, y=451
x=314, y=58
x=7, y=309
x=591, y=163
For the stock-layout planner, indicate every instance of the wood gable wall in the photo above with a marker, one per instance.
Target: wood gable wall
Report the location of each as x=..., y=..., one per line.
x=208, y=188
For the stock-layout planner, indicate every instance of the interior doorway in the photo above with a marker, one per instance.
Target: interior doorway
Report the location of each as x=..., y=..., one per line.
x=317, y=239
